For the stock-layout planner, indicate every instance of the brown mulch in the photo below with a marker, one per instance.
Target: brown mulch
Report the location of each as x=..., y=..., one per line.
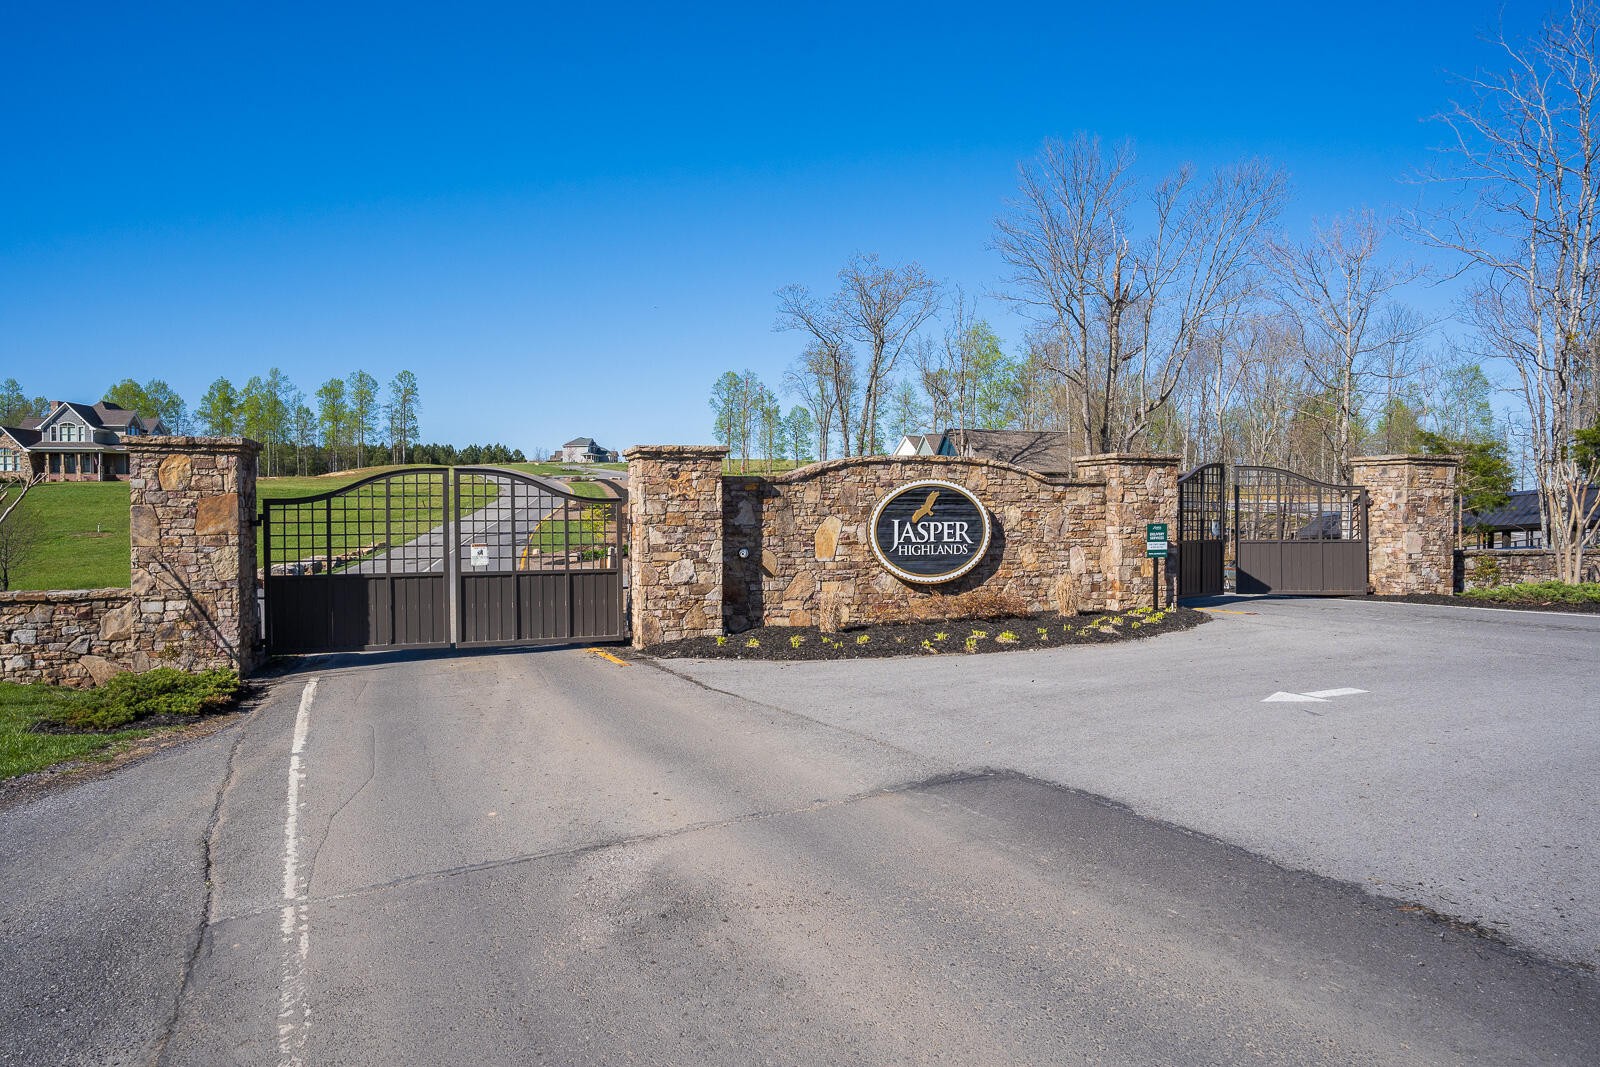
x=956, y=637
x=1586, y=608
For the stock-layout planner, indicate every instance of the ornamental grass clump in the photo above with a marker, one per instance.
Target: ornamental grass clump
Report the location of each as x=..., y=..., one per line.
x=1539, y=593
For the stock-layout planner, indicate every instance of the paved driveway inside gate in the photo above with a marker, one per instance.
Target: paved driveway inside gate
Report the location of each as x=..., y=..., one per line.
x=551, y=857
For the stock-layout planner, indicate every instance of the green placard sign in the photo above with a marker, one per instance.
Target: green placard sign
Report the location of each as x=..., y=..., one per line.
x=1155, y=540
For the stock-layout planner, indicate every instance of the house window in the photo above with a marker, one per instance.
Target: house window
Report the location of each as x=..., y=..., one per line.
x=9, y=460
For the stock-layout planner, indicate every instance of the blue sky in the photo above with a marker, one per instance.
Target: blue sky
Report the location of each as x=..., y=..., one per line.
x=569, y=223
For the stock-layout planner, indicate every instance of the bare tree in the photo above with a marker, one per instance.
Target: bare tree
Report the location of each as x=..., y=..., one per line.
x=879, y=307
x=817, y=378
x=1525, y=151
x=1127, y=313
x=1337, y=290
x=19, y=535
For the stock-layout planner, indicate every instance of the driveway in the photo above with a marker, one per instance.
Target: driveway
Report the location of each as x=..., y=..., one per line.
x=553, y=857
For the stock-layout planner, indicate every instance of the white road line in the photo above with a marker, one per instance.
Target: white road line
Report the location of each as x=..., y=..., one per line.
x=294, y=1010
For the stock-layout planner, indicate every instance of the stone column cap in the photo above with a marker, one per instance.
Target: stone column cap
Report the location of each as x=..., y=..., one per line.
x=1409, y=458
x=240, y=445
x=717, y=452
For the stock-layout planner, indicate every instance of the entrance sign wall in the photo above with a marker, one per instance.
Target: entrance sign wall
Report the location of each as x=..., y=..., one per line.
x=791, y=547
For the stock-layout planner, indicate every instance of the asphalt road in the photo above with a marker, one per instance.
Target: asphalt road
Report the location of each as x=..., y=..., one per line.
x=552, y=858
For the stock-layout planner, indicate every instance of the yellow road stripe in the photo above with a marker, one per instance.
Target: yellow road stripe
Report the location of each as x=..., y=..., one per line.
x=603, y=654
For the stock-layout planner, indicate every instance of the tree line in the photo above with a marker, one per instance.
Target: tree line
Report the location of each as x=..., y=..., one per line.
x=1169, y=312
x=347, y=422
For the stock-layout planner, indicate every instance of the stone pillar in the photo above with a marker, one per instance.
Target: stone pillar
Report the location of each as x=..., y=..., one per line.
x=675, y=562
x=1140, y=489
x=192, y=511
x=1411, y=523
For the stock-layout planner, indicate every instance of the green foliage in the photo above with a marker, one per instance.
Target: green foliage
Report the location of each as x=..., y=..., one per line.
x=219, y=409
x=154, y=397
x=1586, y=450
x=1540, y=593
x=82, y=531
x=1485, y=478
x=128, y=698
x=15, y=405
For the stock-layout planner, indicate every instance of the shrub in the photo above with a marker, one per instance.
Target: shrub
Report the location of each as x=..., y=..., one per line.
x=129, y=697
x=1540, y=593
x=940, y=607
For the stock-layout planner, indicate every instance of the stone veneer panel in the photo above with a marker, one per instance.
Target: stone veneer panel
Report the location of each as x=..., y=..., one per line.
x=805, y=539
x=1410, y=523
x=1490, y=568
x=192, y=603
x=675, y=552
x=1140, y=489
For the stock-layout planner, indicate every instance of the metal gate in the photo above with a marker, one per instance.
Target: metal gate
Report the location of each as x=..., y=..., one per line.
x=536, y=564
x=1294, y=534
x=1202, y=530
x=427, y=557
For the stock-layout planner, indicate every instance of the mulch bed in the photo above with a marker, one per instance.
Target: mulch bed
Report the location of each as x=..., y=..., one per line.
x=1586, y=608
x=956, y=637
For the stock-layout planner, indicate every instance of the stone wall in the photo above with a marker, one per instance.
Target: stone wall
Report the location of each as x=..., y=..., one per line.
x=1490, y=568
x=1411, y=522
x=77, y=636
x=805, y=541
x=1140, y=489
x=675, y=555
x=192, y=599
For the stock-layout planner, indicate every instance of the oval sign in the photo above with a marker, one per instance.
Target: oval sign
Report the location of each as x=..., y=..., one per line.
x=929, y=532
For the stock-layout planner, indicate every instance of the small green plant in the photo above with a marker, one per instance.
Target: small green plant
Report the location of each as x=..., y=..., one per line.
x=721, y=640
x=927, y=646
x=863, y=639
x=1006, y=637
x=753, y=643
x=797, y=640
x=979, y=635
x=940, y=636
x=1044, y=634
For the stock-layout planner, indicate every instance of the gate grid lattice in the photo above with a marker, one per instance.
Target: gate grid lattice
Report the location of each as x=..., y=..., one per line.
x=1290, y=534
x=430, y=557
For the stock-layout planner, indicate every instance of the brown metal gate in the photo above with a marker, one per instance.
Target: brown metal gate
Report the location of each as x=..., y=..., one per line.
x=1202, y=530
x=537, y=564
x=1294, y=534
x=427, y=557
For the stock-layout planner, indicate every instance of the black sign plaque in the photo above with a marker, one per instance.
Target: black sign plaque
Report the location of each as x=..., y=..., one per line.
x=929, y=532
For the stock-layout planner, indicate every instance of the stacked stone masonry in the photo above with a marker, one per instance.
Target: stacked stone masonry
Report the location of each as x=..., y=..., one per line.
x=1490, y=568
x=792, y=549
x=1411, y=522
x=192, y=601
x=675, y=561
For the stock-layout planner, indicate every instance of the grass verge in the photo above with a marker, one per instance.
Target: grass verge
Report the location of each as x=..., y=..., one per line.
x=43, y=725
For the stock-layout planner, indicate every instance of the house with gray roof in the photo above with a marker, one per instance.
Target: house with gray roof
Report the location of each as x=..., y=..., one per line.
x=1045, y=451
x=73, y=442
x=585, y=450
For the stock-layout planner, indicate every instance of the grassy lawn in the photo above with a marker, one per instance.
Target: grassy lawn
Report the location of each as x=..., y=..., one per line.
x=83, y=526
x=22, y=751
x=83, y=536
x=121, y=710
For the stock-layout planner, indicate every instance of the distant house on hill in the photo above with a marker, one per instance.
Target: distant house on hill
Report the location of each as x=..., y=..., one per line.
x=73, y=442
x=1045, y=451
x=585, y=450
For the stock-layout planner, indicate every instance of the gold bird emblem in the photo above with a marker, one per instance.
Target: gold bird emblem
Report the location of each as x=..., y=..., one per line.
x=926, y=509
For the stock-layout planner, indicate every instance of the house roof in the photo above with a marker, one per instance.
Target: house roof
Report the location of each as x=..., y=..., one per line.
x=1520, y=512
x=924, y=444
x=1045, y=451
x=579, y=442
x=24, y=436
x=115, y=416
x=31, y=422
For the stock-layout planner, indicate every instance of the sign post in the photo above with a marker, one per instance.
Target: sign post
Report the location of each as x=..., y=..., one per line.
x=1155, y=548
